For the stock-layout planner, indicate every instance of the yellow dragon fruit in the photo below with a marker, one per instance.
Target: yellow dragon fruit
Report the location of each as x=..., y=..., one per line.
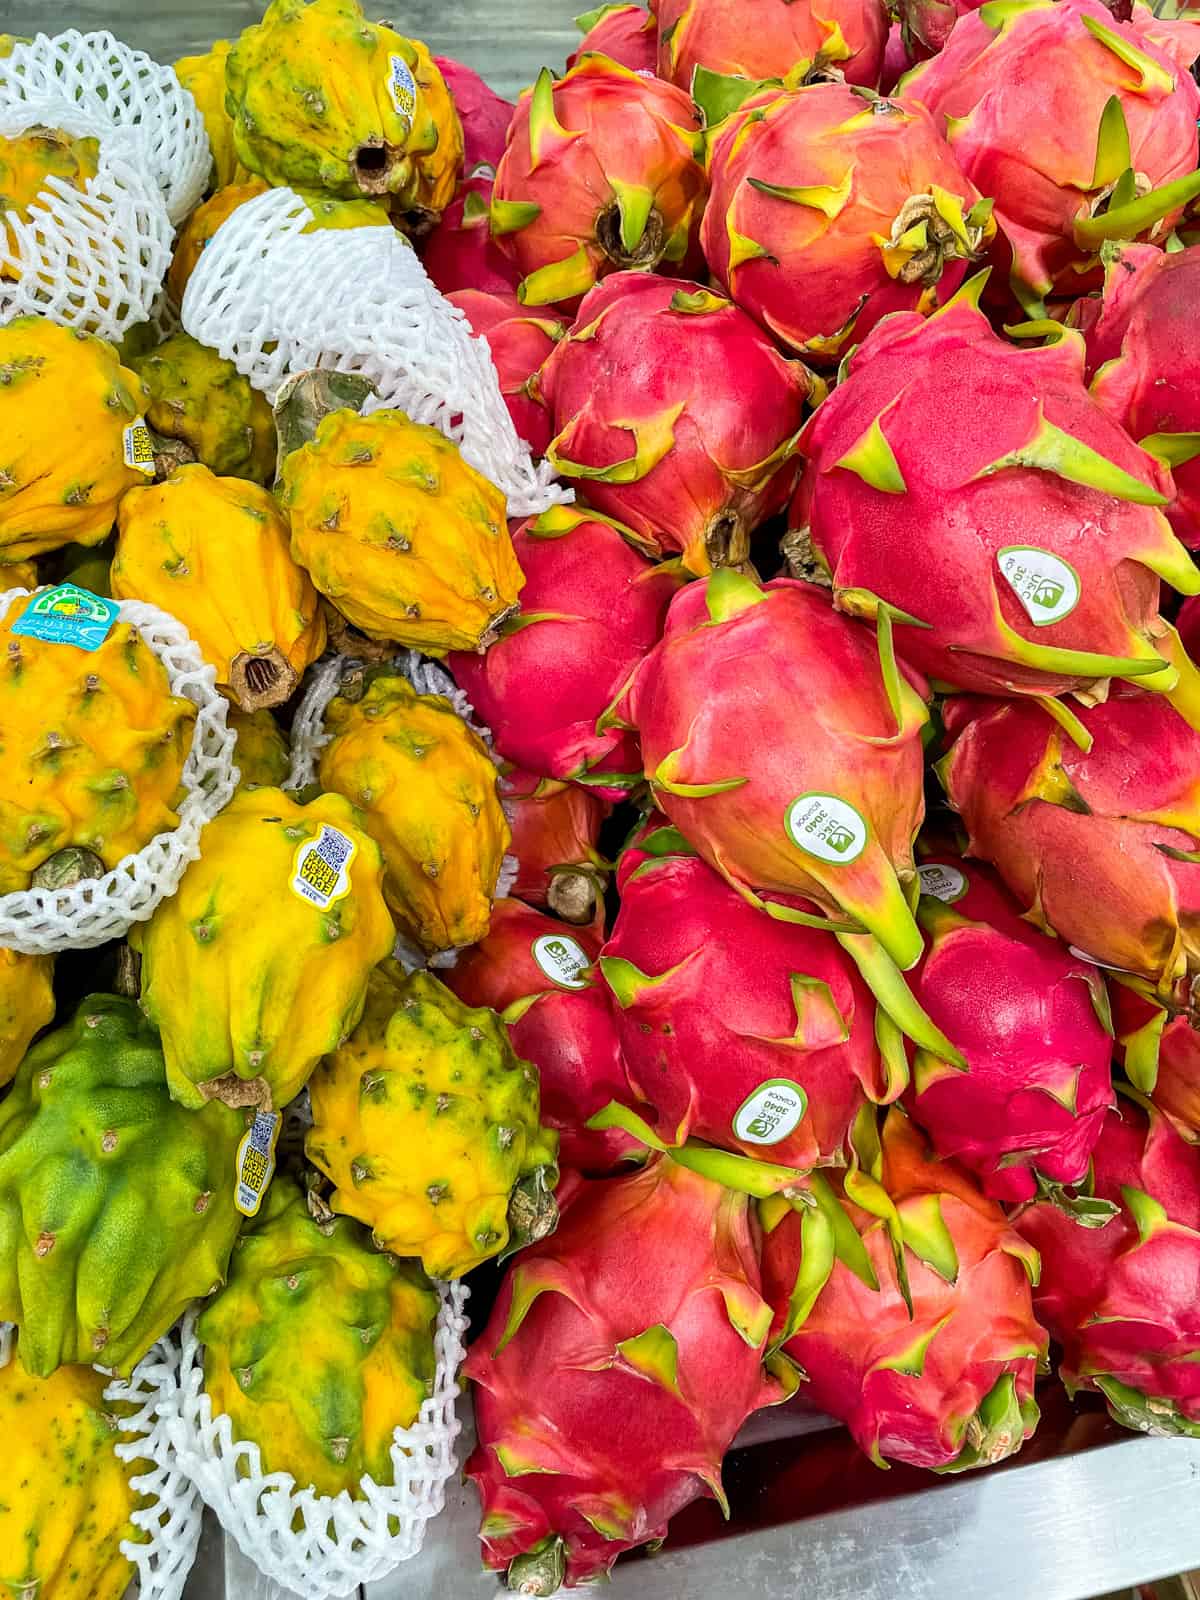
x=204, y=79
x=198, y=230
x=26, y=1006
x=199, y=398
x=263, y=754
x=28, y=159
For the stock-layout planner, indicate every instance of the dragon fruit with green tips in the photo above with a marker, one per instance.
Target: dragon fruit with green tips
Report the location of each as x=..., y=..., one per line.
x=1160, y=1050
x=1121, y=1297
x=459, y=254
x=556, y=844
x=675, y=413
x=1012, y=527
x=905, y=1297
x=605, y=1397
x=1081, y=128
x=626, y=34
x=602, y=173
x=1033, y=1025
x=828, y=211
x=773, y=39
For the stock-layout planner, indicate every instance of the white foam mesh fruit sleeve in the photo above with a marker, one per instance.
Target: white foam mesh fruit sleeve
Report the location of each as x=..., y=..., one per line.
x=45, y=921
x=276, y=300
x=118, y=87
x=91, y=258
x=316, y=1544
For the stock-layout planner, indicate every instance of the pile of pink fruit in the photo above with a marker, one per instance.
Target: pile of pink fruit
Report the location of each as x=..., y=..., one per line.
x=854, y=731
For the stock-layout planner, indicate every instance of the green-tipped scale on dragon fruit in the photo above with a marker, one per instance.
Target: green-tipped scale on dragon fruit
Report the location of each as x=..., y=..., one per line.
x=778, y=39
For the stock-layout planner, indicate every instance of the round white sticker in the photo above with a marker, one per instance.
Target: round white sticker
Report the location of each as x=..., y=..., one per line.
x=562, y=959
x=771, y=1113
x=1046, y=586
x=826, y=827
x=943, y=881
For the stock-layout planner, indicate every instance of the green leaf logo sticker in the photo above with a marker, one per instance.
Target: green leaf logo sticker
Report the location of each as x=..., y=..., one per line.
x=1046, y=585
x=562, y=959
x=942, y=881
x=826, y=827
x=771, y=1113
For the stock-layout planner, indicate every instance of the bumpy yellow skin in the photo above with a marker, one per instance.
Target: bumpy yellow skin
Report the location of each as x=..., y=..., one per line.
x=202, y=399
x=428, y=790
x=204, y=79
x=214, y=552
x=248, y=982
x=425, y=1120
x=67, y=1499
x=26, y=1006
x=263, y=754
x=92, y=748
x=407, y=540
x=318, y=1347
x=65, y=402
x=28, y=159
x=199, y=228
x=19, y=575
x=310, y=93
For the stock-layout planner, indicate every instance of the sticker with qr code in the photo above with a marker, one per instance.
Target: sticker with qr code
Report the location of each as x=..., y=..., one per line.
x=321, y=870
x=256, y=1162
x=139, y=448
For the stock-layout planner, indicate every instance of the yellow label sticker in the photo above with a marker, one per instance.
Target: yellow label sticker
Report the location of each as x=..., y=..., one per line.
x=139, y=448
x=321, y=869
x=256, y=1162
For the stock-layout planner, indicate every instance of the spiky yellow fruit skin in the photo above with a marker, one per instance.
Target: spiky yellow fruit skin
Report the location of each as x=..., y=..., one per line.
x=263, y=754
x=196, y=232
x=310, y=92
x=248, y=981
x=26, y=1006
x=202, y=399
x=204, y=79
x=65, y=402
x=428, y=791
x=425, y=1120
x=68, y=1499
x=92, y=748
x=214, y=552
x=28, y=159
x=407, y=540
x=318, y=1347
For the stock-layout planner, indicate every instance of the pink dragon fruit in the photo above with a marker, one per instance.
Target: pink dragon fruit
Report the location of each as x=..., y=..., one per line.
x=624, y=33
x=1066, y=118
x=534, y=972
x=1098, y=844
x=1121, y=1298
x=1138, y=348
x=1188, y=623
x=602, y=174
x=897, y=59
x=555, y=833
x=520, y=339
x=866, y=212
x=1012, y=526
x=946, y=1385
x=751, y=1034
x=591, y=608
x=459, y=253
x=1160, y=1047
x=485, y=117
x=778, y=39
x=1032, y=1022
x=821, y=798
x=676, y=414
x=622, y=1357
x=927, y=24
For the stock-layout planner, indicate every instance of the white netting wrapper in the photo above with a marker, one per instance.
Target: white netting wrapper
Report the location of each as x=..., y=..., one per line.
x=312, y=1543
x=91, y=258
x=275, y=300
x=44, y=921
x=119, y=88
x=172, y=1520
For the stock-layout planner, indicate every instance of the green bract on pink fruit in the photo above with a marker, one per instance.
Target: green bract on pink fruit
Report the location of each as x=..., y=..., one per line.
x=627, y=34
x=1097, y=845
x=1014, y=528
x=622, y=1357
x=829, y=211
x=459, y=253
x=784, y=744
x=771, y=38
x=591, y=608
x=1141, y=350
x=1032, y=1023
x=1121, y=1298
x=675, y=413
x=555, y=841
x=1160, y=1048
x=737, y=1029
x=904, y=1296
x=602, y=172
x=1081, y=128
